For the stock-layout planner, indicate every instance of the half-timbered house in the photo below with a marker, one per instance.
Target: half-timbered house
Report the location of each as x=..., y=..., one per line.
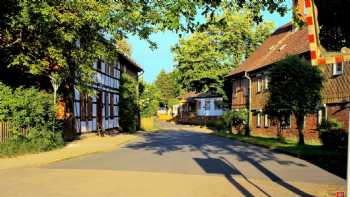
x=101, y=112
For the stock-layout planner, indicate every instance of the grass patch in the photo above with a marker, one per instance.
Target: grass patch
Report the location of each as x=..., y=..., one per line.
x=333, y=161
x=35, y=142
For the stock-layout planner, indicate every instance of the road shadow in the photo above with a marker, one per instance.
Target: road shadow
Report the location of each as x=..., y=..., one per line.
x=211, y=146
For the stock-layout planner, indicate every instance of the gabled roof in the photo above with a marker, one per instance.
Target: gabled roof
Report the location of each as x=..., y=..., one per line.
x=131, y=62
x=286, y=40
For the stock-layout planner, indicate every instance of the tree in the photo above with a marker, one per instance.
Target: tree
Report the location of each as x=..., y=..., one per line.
x=124, y=47
x=295, y=88
x=205, y=58
x=128, y=104
x=150, y=97
x=167, y=87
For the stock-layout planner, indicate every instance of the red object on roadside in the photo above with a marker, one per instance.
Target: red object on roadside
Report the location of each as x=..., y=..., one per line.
x=340, y=194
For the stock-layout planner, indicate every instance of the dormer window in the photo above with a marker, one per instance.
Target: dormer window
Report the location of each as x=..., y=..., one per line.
x=337, y=68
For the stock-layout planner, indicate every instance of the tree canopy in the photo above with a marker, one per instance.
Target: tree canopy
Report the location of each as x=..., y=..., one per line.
x=149, y=99
x=295, y=88
x=124, y=47
x=205, y=58
x=67, y=36
x=167, y=86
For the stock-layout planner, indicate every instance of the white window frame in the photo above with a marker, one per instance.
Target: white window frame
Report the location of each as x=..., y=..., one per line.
x=319, y=116
x=259, y=85
x=258, y=119
x=335, y=69
x=266, y=121
x=266, y=83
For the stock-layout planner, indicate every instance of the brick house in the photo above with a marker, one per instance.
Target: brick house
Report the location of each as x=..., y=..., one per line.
x=198, y=108
x=102, y=111
x=250, y=84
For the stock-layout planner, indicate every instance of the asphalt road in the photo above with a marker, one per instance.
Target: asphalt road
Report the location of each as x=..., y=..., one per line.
x=193, y=153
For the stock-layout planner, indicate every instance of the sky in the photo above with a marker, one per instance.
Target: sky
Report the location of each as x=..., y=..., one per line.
x=153, y=61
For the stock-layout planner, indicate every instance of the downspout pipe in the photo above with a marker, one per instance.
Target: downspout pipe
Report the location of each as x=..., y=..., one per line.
x=249, y=106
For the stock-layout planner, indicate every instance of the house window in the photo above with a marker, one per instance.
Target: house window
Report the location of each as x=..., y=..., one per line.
x=218, y=104
x=99, y=64
x=286, y=121
x=106, y=106
x=258, y=119
x=118, y=74
x=234, y=88
x=259, y=84
x=338, y=68
x=266, y=121
x=85, y=107
x=111, y=70
x=266, y=83
x=206, y=104
x=321, y=115
x=245, y=87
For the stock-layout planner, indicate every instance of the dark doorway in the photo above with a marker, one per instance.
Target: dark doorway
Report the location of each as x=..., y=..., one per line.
x=99, y=107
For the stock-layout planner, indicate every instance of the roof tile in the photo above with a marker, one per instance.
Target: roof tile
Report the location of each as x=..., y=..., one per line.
x=286, y=40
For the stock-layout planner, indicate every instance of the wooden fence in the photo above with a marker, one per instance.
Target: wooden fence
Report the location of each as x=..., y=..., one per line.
x=5, y=131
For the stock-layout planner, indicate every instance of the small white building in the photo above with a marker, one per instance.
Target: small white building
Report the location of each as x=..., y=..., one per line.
x=198, y=107
x=210, y=106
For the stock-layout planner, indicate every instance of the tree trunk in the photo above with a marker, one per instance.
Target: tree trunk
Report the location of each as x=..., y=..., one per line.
x=69, y=130
x=300, y=127
x=279, y=129
x=247, y=131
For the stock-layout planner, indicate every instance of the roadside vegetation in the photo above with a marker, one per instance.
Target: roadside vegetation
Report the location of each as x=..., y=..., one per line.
x=128, y=104
x=31, y=114
x=294, y=89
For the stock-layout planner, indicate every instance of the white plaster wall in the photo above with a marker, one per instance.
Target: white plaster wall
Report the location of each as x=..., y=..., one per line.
x=88, y=126
x=211, y=111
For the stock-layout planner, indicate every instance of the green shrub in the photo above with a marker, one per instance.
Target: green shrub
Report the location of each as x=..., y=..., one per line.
x=149, y=99
x=32, y=110
x=218, y=124
x=236, y=119
x=332, y=134
x=128, y=104
x=36, y=141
